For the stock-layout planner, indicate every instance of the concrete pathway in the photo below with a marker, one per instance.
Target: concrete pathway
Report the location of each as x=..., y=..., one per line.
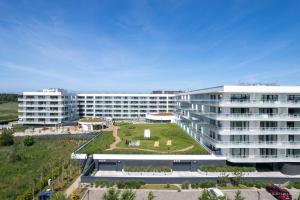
x=73, y=187
x=189, y=174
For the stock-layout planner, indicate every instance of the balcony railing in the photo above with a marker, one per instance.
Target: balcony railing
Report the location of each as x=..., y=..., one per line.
x=258, y=131
x=231, y=102
x=263, y=158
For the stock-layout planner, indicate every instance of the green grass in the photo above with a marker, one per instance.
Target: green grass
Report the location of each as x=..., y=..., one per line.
x=8, y=111
x=99, y=144
x=36, y=162
x=159, y=132
x=226, y=168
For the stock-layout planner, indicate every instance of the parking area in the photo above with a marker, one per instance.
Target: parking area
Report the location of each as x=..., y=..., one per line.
x=249, y=194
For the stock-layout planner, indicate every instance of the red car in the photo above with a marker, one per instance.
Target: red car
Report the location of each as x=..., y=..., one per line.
x=278, y=192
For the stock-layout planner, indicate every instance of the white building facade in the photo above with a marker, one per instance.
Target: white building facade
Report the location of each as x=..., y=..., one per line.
x=247, y=124
x=47, y=107
x=125, y=106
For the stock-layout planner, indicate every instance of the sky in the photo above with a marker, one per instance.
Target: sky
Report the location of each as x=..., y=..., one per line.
x=122, y=46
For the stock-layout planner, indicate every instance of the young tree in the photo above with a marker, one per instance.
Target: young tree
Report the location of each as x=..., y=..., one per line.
x=151, y=195
x=111, y=194
x=238, y=196
x=58, y=196
x=6, y=138
x=128, y=195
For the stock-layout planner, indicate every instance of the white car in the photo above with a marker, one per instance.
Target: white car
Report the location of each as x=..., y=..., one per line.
x=216, y=192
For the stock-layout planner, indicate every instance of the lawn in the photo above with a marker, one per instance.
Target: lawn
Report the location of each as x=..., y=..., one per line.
x=169, y=139
x=8, y=111
x=36, y=162
x=160, y=187
x=99, y=144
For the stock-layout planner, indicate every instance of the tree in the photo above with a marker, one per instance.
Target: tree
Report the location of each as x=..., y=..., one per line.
x=206, y=196
x=151, y=195
x=238, y=196
x=128, y=195
x=59, y=196
x=111, y=194
x=6, y=138
x=28, y=141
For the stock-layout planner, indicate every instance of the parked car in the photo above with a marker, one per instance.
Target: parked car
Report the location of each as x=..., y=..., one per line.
x=216, y=192
x=278, y=192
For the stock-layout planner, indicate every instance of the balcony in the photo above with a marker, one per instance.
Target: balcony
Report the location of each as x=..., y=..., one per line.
x=253, y=144
x=263, y=158
x=244, y=103
x=259, y=131
x=252, y=117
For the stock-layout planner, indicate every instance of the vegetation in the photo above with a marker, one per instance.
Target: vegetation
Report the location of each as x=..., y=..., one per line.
x=238, y=196
x=5, y=97
x=181, y=142
x=294, y=184
x=8, y=111
x=207, y=195
x=114, y=194
x=6, y=138
x=160, y=187
x=99, y=144
x=28, y=141
x=147, y=168
x=25, y=169
x=130, y=184
x=203, y=184
x=150, y=196
x=185, y=185
x=58, y=196
x=19, y=128
x=226, y=168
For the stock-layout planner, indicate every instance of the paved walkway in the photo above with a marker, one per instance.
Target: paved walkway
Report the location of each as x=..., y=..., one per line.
x=188, y=174
x=73, y=187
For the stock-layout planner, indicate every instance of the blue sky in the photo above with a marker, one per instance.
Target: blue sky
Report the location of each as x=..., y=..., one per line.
x=118, y=45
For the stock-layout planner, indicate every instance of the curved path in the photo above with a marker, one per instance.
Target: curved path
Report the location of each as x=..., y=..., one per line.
x=117, y=138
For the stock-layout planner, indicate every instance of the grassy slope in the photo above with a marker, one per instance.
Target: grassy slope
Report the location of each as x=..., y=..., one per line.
x=98, y=145
x=8, y=111
x=35, y=160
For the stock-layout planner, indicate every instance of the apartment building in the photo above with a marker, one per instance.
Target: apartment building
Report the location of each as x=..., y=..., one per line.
x=247, y=124
x=49, y=106
x=55, y=106
x=126, y=106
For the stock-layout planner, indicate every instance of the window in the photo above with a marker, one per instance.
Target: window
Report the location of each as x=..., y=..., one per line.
x=267, y=97
x=240, y=97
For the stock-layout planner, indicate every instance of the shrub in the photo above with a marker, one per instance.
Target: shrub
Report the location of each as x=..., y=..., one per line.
x=14, y=156
x=130, y=184
x=75, y=196
x=28, y=141
x=260, y=184
x=207, y=184
x=6, y=138
x=128, y=195
x=223, y=180
x=185, y=185
x=226, y=168
x=248, y=183
x=238, y=196
x=150, y=196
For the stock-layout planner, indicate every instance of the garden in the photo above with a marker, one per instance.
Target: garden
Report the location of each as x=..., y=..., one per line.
x=165, y=138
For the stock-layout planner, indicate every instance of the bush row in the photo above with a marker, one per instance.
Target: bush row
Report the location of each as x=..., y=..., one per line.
x=147, y=168
x=294, y=184
x=120, y=184
x=226, y=168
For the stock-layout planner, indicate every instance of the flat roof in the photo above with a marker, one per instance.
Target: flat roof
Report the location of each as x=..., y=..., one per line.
x=247, y=89
x=156, y=157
